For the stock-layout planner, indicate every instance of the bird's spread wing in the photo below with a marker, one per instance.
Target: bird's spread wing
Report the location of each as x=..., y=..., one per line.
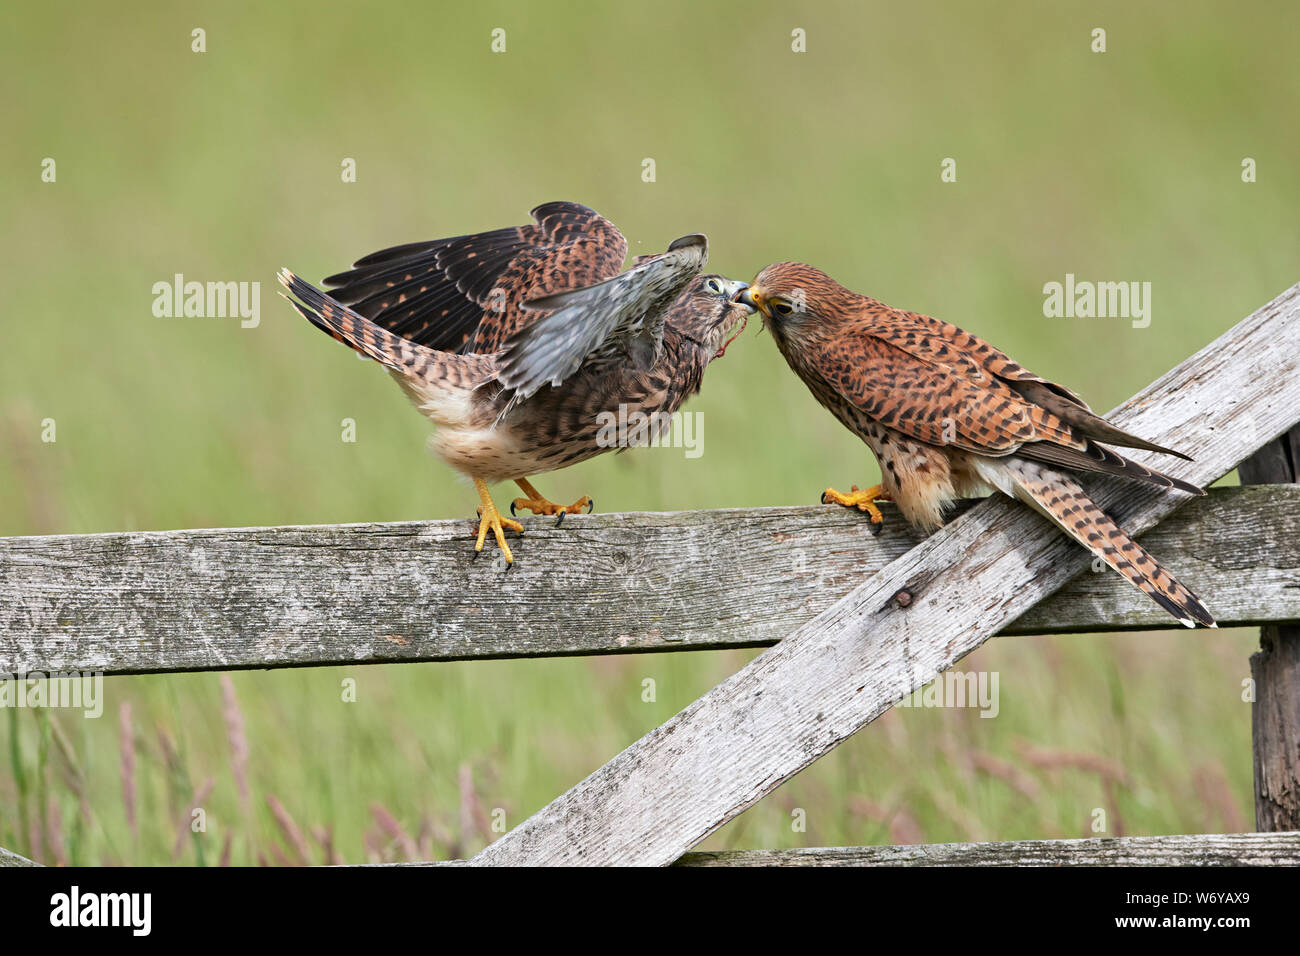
x=619, y=319
x=939, y=384
x=467, y=293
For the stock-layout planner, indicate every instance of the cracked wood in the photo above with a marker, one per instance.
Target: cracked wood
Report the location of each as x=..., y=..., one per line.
x=222, y=599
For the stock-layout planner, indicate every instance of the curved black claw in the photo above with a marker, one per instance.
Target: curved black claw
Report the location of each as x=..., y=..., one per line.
x=823, y=499
x=560, y=520
x=876, y=526
x=591, y=505
x=512, y=510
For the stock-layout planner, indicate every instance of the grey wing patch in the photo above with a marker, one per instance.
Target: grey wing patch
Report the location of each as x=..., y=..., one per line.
x=619, y=316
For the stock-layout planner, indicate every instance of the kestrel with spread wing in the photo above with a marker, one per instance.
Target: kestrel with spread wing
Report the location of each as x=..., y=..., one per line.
x=947, y=416
x=516, y=342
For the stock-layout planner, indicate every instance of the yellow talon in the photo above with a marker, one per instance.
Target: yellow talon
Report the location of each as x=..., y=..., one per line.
x=864, y=500
x=489, y=517
x=539, y=505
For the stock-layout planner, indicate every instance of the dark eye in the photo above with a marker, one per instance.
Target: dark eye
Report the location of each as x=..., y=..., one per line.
x=713, y=285
x=783, y=308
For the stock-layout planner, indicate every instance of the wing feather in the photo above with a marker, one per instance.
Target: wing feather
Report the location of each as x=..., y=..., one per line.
x=466, y=293
x=939, y=384
x=936, y=403
x=621, y=318
x=942, y=343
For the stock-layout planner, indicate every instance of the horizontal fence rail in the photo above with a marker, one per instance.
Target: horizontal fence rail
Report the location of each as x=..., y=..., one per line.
x=1220, y=849
x=1226, y=849
x=277, y=597
x=1199, y=849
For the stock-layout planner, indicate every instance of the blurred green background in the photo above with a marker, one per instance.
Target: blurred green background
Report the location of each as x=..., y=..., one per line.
x=225, y=165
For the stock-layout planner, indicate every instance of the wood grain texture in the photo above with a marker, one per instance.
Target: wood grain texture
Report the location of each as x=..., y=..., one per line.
x=1227, y=849
x=10, y=858
x=1275, y=713
x=265, y=597
x=1200, y=849
x=833, y=675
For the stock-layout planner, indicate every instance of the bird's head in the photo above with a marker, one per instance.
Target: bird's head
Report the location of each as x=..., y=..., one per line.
x=710, y=313
x=797, y=301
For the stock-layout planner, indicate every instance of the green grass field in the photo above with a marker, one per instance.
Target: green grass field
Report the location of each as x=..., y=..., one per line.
x=225, y=165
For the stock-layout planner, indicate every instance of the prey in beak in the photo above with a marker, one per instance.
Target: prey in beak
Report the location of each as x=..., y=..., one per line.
x=738, y=296
x=757, y=303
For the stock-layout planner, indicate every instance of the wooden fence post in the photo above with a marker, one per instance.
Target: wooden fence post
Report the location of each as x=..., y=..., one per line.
x=1275, y=669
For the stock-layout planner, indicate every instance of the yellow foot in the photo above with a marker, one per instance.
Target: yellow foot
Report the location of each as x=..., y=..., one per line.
x=864, y=500
x=539, y=505
x=489, y=517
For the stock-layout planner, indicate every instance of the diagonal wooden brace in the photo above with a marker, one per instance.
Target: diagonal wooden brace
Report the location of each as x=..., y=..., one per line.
x=829, y=678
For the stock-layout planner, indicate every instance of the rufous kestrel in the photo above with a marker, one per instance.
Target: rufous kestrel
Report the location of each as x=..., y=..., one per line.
x=521, y=342
x=947, y=416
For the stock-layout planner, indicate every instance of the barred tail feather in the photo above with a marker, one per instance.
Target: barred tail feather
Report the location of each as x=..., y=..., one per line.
x=1060, y=498
x=353, y=329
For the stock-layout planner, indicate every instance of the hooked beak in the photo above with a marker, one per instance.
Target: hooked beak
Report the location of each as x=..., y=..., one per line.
x=735, y=289
x=752, y=298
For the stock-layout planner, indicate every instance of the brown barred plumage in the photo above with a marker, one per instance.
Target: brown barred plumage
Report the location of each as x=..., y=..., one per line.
x=497, y=341
x=1061, y=499
x=949, y=415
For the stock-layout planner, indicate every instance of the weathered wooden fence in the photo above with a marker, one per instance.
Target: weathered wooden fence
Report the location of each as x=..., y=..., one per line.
x=861, y=621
